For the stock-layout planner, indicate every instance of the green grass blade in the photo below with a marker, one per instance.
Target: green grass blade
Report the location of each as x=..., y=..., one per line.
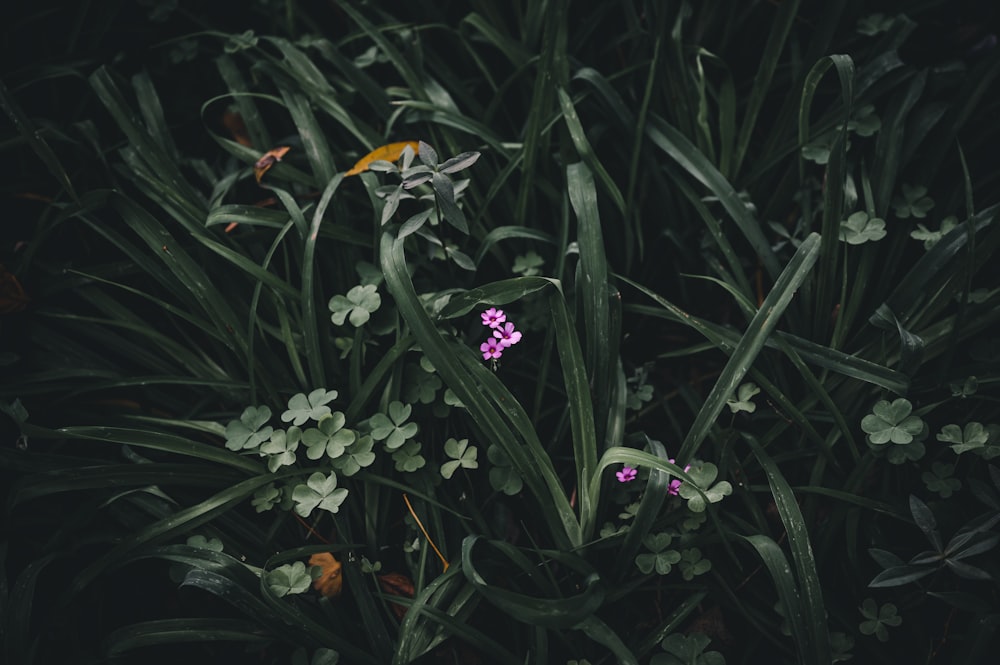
x=27, y=130
x=680, y=149
x=777, y=38
x=181, y=522
x=557, y=612
x=592, y=283
x=586, y=153
x=195, y=629
x=170, y=443
x=814, y=642
x=495, y=410
x=750, y=345
x=788, y=592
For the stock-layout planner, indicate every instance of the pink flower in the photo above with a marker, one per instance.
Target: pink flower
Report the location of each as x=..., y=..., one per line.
x=491, y=348
x=507, y=335
x=493, y=317
x=675, y=484
x=626, y=475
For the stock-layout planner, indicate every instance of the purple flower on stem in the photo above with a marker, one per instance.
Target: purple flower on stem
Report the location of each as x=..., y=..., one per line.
x=626, y=475
x=491, y=348
x=493, y=317
x=507, y=335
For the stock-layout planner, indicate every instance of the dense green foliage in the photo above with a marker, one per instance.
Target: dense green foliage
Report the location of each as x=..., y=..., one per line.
x=741, y=403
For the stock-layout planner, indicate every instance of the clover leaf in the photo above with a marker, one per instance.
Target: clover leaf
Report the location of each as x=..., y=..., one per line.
x=357, y=456
x=692, y=564
x=528, y=264
x=329, y=438
x=318, y=491
x=878, y=619
x=248, y=432
x=393, y=428
x=659, y=558
x=973, y=437
x=302, y=407
x=503, y=477
x=280, y=449
x=287, y=579
x=892, y=422
x=703, y=475
x=637, y=394
x=463, y=455
x=931, y=238
x=912, y=202
x=939, y=480
x=408, y=458
x=265, y=498
x=864, y=122
x=204, y=543
x=741, y=401
x=859, y=228
x=357, y=306
x=420, y=385
x=910, y=452
x=687, y=650
x=873, y=24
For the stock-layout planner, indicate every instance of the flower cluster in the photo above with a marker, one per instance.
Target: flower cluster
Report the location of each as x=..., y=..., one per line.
x=504, y=334
x=628, y=474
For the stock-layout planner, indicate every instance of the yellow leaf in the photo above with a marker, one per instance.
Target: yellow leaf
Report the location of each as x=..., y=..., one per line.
x=330, y=583
x=388, y=153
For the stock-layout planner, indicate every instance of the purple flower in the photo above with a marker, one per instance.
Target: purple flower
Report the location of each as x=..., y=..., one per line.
x=626, y=475
x=507, y=335
x=675, y=484
x=491, y=348
x=493, y=317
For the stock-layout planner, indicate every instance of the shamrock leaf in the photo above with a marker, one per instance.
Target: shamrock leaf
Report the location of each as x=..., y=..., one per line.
x=939, y=479
x=393, y=428
x=408, y=458
x=912, y=202
x=528, y=264
x=864, y=121
x=318, y=491
x=203, y=543
x=420, y=385
x=302, y=407
x=964, y=389
x=741, y=401
x=637, y=395
x=691, y=563
x=873, y=24
x=357, y=456
x=931, y=238
x=683, y=649
x=910, y=452
x=878, y=619
x=463, y=455
x=241, y=42
x=703, y=475
x=891, y=422
x=357, y=306
x=266, y=498
x=248, y=431
x=659, y=558
x=818, y=150
x=503, y=477
x=287, y=579
x=329, y=438
x=859, y=228
x=280, y=449
x=973, y=437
